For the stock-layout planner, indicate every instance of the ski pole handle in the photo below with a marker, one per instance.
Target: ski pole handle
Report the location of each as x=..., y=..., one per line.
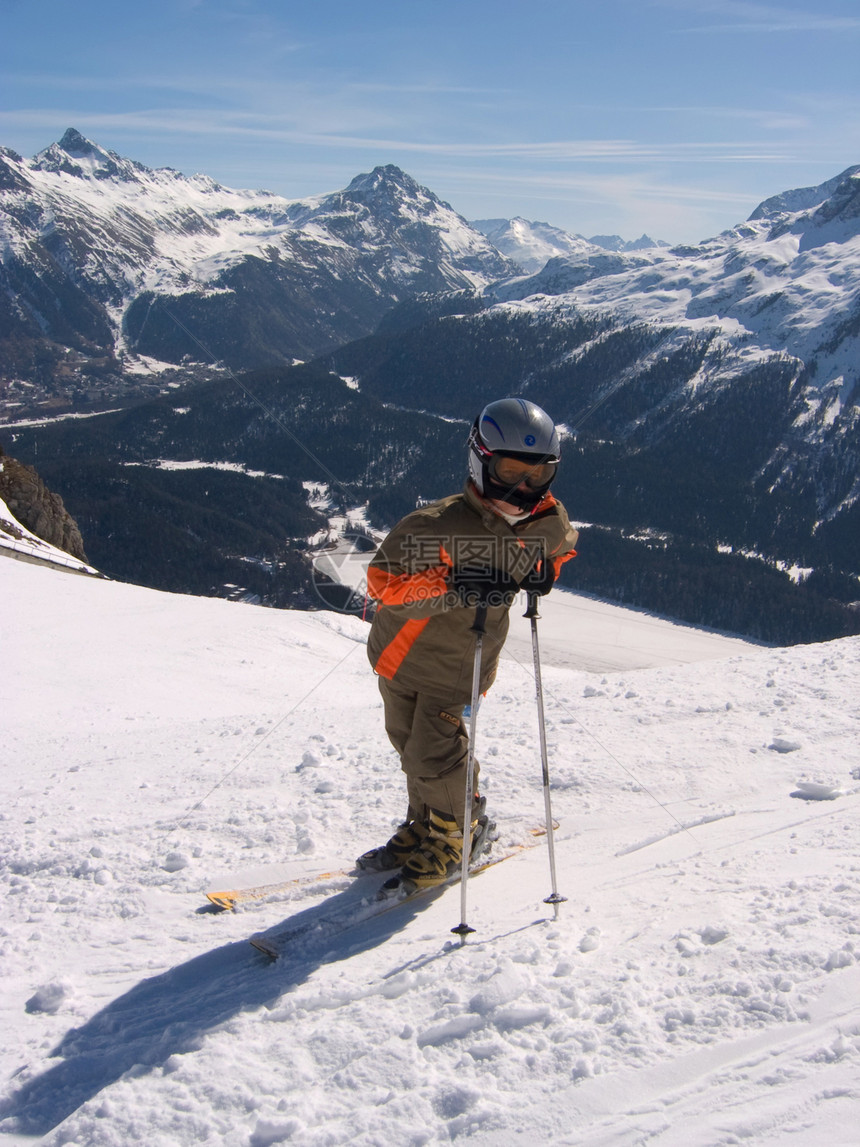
x=532, y=607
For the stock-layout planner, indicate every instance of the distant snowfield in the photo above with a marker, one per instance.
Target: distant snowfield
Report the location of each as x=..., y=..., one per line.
x=580, y=632
x=700, y=986
x=576, y=631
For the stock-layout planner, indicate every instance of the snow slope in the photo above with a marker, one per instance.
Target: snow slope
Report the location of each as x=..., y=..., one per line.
x=700, y=986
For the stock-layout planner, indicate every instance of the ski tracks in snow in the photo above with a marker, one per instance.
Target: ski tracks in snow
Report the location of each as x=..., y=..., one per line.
x=700, y=986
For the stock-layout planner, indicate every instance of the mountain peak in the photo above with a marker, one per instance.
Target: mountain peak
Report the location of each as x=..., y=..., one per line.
x=388, y=193
x=387, y=188
x=384, y=176
x=76, y=155
x=828, y=213
x=616, y=243
x=75, y=144
x=802, y=198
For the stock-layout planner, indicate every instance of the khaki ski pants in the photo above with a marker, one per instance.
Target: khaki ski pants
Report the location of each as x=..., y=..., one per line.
x=432, y=741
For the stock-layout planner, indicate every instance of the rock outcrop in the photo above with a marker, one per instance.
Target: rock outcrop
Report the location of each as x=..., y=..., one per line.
x=35, y=507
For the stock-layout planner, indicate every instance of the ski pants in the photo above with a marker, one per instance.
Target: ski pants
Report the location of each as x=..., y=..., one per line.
x=432, y=742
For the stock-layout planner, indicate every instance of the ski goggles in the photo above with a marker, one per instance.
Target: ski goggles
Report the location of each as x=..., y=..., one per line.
x=511, y=471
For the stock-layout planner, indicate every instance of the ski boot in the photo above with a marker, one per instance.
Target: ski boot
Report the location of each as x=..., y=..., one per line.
x=395, y=852
x=440, y=856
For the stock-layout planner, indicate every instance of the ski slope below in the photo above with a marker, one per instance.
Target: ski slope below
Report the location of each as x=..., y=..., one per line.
x=582, y=632
x=699, y=987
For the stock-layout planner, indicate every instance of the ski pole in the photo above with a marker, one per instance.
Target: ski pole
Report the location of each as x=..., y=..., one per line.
x=532, y=613
x=478, y=628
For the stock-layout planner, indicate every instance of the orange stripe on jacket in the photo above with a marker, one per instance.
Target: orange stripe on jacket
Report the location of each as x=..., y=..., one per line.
x=394, y=653
x=405, y=588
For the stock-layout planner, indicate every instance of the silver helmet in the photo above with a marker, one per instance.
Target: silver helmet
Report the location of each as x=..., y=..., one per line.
x=514, y=452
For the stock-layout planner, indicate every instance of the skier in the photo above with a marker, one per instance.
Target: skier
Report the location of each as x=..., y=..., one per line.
x=505, y=532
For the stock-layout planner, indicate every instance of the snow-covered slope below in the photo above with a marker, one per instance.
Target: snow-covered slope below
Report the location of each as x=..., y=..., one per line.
x=700, y=985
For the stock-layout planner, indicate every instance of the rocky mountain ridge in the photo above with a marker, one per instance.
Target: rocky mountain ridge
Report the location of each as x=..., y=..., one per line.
x=110, y=267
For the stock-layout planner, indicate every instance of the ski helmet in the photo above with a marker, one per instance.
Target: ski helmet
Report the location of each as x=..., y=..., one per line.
x=513, y=452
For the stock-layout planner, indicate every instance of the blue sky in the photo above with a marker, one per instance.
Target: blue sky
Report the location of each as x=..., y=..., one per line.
x=674, y=117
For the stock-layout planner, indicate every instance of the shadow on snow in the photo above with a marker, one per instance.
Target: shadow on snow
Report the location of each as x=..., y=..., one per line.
x=170, y=1013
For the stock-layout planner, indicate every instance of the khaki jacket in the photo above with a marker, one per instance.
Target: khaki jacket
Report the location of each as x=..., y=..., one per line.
x=421, y=636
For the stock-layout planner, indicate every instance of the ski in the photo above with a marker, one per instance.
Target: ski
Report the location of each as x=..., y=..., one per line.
x=275, y=942
x=226, y=899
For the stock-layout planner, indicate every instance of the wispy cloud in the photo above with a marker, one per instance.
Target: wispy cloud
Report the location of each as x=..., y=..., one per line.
x=735, y=15
x=596, y=203
x=185, y=122
x=768, y=118
x=593, y=188
x=429, y=88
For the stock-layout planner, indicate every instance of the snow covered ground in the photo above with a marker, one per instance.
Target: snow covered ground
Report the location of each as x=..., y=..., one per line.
x=582, y=632
x=701, y=985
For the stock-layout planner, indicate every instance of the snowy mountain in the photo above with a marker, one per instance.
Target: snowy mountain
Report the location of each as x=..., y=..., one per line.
x=786, y=281
x=714, y=389
x=532, y=244
x=616, y=243
x=700, y=984
x=105, y=258
x=781, y=290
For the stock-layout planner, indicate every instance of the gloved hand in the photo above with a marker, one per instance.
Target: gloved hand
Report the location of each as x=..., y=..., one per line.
x=477, y=585
x=540, y=579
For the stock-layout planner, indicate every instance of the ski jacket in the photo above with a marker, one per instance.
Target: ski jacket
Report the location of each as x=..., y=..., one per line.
x=422, y=636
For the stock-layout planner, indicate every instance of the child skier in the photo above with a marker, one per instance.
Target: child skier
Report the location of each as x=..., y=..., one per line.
x=505, y=532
